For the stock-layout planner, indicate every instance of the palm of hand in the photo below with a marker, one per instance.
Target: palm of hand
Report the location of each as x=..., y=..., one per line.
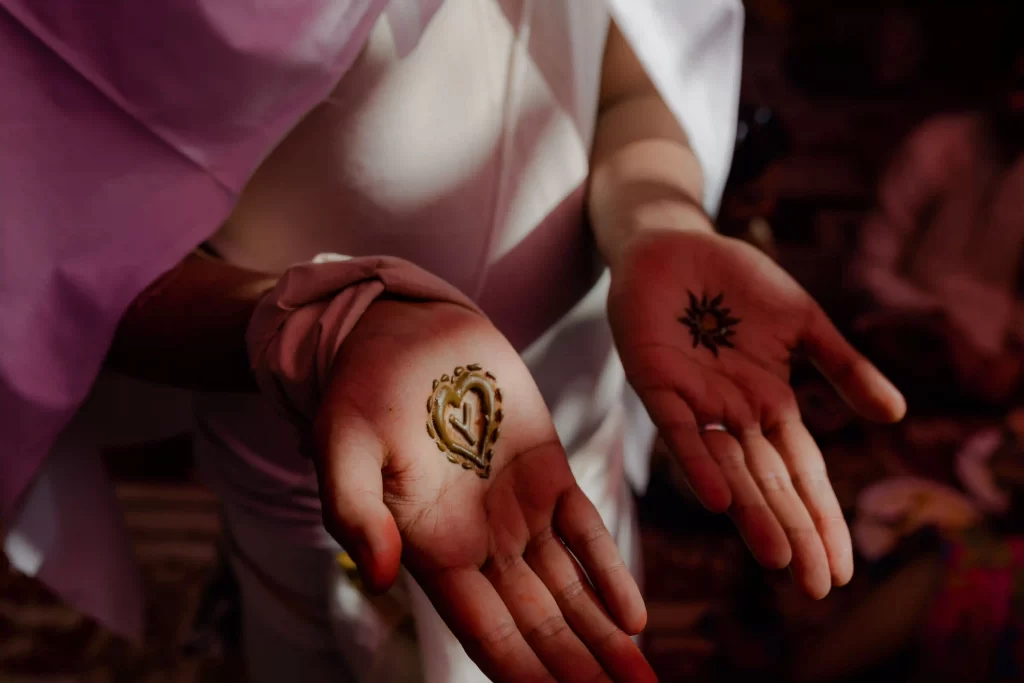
x=491, y=553
x=694, y=365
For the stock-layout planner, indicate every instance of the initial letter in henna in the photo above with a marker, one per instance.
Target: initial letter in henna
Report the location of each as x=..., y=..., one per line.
x=465, y=425
x=709, y=324
x=463, y=430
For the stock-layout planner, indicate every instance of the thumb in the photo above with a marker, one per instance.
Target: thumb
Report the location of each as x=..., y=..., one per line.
x=349, y=458
x=856, y=379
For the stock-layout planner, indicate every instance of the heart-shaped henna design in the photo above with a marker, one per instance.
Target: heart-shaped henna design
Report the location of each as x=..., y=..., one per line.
x=466, y=432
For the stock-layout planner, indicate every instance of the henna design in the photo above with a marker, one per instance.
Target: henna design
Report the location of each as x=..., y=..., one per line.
x=465, y=431
x=465, y=425
x=710, y=325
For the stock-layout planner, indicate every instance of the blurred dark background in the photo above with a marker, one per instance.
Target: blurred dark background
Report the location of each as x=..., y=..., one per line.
x=842, y=101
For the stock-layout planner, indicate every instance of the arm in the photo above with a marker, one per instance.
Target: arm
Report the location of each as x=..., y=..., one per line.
x=714, y=364
x=643, y=172
x=188, y=328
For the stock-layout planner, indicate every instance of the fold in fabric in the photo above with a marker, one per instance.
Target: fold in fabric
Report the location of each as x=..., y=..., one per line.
x=299, y=326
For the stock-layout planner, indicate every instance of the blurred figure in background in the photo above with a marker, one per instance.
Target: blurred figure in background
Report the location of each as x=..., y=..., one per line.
x=939, y=260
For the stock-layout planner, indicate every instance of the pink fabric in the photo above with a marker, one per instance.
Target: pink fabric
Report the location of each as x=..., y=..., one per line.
x=126, y=130
x=297, y=329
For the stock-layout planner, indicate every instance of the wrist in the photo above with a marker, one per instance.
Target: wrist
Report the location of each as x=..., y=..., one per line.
x=187, y=329
x=641, y=183
x=652, y=221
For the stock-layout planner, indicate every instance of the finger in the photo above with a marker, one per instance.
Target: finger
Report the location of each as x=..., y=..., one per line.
x=810, y=565
x=774, y=469
x=481, y=621
x=539, y=619
x=349, y=457
x=810, y=478
x=614, y=649
x=577, y=521
x=678, y=426
x=749, y=511
x=856, y=379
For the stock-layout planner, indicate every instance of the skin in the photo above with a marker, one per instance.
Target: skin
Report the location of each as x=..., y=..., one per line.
x=492, y=553
x=766, y=471
x=502, y=557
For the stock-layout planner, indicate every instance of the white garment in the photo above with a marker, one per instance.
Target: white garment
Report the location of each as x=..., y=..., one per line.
x=468, y=156
x=692, y=51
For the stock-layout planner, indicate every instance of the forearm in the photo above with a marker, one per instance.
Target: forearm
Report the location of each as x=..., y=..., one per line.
x=644, y=175
x=188, y=328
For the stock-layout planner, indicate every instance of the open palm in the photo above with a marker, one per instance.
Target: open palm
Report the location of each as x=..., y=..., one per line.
x=402, y=471
x=706, y=327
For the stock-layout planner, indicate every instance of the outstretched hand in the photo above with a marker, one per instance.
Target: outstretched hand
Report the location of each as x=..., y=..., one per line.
x=435, y=449
x=706, y=327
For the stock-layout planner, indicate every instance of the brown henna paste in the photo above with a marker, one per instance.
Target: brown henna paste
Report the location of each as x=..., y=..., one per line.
x=464, y=415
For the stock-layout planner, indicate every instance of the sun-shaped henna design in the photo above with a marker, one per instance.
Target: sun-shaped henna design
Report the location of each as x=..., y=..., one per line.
x=709, y=324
